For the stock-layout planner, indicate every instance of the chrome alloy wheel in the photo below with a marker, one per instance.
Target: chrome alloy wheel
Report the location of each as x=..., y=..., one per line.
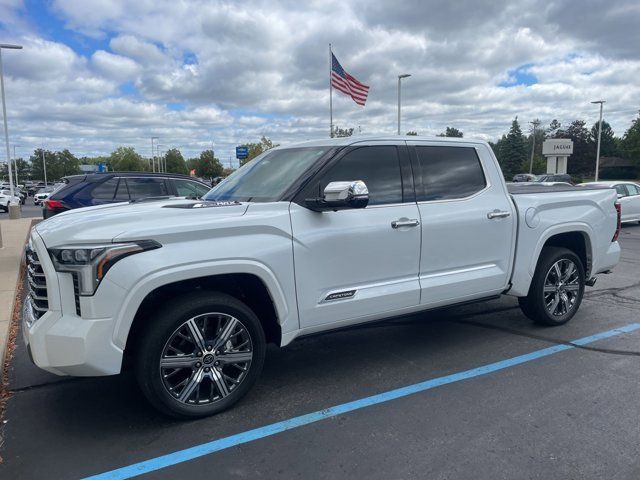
x=561, y=287
x=206, y=358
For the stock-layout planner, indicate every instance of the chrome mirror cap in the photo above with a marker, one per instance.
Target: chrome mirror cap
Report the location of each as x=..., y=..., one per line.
x=344, y=191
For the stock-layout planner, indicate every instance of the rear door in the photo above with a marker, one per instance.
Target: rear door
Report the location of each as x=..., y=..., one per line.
x=633, y=203
x=468, y=226
x=626, y=202
x=146, y=187
x=354, y=265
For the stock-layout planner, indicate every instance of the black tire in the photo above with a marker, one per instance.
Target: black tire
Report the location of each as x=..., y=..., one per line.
x=164, y=326
x=535, y=304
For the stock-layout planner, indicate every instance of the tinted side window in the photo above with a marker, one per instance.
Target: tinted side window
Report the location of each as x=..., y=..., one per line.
x=449, y=172
x=633, y=189
x=187, y=188
x=622, y=190
x=105, y=190
x=146, y=187
x=377, y=166
x=122, y=194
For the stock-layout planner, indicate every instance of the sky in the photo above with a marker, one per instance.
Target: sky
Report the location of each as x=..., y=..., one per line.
x=97, y=74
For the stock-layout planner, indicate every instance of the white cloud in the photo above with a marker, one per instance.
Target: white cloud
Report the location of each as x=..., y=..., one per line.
x=240, y=70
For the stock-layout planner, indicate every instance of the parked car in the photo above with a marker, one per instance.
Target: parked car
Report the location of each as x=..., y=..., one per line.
x=524, y=177
x=42, y=194
x=6, y=199
x=628, y=196
x=300, y=240
x=115, y=187
x=555, y=177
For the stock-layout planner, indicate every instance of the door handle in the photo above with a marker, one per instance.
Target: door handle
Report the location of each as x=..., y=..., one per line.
x=405, y=223
x=497, y=214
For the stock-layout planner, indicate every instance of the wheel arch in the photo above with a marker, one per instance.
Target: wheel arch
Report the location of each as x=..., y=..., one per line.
x=576, y=238
x=226, y=276
x=249, y=288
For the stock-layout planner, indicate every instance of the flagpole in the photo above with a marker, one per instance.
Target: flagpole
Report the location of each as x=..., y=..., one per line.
x=330, y=95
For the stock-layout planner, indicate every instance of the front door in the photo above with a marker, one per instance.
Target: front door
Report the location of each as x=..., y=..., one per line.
x=357, y=264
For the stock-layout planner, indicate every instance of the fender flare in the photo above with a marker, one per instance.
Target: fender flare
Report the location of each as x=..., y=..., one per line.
x=178, y=273
x=579, y=227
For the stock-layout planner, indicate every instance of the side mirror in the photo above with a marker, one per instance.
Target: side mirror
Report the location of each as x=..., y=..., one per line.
x=341, y=195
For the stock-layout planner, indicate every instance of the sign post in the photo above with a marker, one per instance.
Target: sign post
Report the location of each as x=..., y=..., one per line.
x=557, y=151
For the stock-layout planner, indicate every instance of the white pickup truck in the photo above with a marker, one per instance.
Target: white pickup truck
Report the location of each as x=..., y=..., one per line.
x=302, y=239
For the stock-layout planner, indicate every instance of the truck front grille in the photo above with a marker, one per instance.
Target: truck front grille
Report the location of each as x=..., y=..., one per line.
x=37, y=284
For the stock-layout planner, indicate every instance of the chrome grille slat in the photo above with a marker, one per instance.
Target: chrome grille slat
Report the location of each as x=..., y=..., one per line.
x=38, y=295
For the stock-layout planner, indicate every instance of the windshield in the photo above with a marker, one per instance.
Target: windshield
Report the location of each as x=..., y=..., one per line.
x=267, y=177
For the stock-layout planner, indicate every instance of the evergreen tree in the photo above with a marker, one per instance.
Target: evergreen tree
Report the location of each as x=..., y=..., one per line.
x=608, y=144
x=512, y=151
x=630, y=144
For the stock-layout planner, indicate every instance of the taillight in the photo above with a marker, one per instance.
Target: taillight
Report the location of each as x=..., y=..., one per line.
x=53, y=204
x=619, y=226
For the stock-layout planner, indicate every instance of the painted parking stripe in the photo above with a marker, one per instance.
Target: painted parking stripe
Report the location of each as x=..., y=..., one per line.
x=250, y=435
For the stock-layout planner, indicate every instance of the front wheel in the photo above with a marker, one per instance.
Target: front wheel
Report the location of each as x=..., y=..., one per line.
x=200, y=355
x=557, y=287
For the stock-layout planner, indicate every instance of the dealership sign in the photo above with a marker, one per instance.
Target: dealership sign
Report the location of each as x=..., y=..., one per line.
x=559, y=147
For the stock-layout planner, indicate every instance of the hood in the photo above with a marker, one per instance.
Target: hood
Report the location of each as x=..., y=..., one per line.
x=135, y=221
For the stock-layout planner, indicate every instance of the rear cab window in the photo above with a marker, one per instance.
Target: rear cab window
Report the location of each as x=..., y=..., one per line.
x=448, y=172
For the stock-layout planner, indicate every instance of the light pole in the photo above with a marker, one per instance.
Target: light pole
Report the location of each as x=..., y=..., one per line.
x=400, y=77
x=15, y=160
x=535, y=124
x=601, y=102
x=44, y=166
x=153, y=157
x=4, y=110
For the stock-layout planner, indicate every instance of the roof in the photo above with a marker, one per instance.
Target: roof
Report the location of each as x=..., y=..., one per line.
x=355, y=139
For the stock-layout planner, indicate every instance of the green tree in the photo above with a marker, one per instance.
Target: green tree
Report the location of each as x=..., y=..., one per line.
x=174, y=161
x=206, y=165
x=554, y=128
x=582, y=161
x=451, y=132
x=608, y=143
x=256, y=149
x=68, y=162
x=630, y=143
x=412, y=133
x=512, y=150
x=54, y=166
x=126, y=159
x=539, y=162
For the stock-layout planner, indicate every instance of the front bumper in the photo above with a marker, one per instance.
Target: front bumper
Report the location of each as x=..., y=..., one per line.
x=61, y=341
x=70, y=345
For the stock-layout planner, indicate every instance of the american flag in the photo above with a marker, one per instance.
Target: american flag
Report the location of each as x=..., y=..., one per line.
x=341, y=80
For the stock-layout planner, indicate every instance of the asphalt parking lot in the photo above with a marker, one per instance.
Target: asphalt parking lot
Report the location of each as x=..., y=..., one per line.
x=542, y=409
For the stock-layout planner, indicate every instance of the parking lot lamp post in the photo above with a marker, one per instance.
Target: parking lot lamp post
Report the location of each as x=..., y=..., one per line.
x=535, y=124
x=4, y=111
x=153, y=155
x=15, y=160
x=601, y=102
x=44, y=166
x=400, y=77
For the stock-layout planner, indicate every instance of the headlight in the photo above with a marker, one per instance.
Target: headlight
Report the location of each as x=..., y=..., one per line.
x=90, y=263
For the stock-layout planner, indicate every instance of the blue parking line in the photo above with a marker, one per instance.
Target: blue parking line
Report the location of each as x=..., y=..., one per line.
x=250, y=435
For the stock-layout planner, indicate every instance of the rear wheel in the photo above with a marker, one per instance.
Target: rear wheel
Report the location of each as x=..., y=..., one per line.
x=557, y=287
x=201, y=355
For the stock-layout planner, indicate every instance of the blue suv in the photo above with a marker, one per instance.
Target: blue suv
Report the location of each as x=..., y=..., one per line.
x=113, y=187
